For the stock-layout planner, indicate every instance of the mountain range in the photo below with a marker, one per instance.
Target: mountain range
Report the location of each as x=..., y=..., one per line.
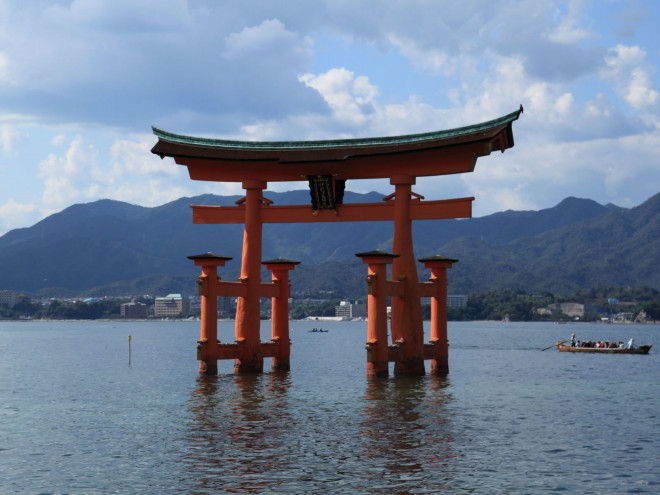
x=114, y=248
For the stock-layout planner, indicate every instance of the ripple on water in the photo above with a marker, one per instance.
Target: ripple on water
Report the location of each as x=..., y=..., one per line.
x=504, y=420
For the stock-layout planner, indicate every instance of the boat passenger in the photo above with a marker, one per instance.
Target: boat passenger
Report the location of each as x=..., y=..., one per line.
x=573, y=340
x=631, y=343
x=621, y=344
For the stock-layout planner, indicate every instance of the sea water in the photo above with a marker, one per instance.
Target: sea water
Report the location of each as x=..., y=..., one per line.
x=76, y=417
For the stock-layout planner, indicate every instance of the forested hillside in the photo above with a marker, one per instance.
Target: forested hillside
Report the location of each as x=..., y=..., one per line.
x=113, y=248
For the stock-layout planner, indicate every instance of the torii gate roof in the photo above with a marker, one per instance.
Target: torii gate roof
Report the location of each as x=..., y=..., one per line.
x=434, y=153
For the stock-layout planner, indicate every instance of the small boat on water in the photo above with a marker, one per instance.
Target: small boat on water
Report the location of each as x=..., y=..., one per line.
x=642, y=349
x=319, y=330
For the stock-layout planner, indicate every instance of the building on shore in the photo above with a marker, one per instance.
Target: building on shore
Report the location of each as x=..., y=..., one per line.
x=346, y=310
x=173, y=305
x=457, y=300
x=453, y=300
x=8, y=298
x=226, y=306
x=133, y=309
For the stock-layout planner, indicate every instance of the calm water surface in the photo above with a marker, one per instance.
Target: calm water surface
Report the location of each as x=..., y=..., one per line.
x=75, y=417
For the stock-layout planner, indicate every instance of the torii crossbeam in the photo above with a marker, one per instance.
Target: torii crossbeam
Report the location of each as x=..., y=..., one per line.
x=326, y=166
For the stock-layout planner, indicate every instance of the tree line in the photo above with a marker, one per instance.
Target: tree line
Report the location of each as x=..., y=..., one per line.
x=517, y=305
x=512, y=305
x=57, y=309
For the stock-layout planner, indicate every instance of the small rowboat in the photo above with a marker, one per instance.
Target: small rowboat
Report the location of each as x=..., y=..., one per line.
x=642, y=349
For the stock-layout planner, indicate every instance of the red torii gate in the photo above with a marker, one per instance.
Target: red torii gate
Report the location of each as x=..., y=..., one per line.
x=327, y=165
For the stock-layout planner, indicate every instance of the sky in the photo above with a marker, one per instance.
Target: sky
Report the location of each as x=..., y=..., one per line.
x=83, y=81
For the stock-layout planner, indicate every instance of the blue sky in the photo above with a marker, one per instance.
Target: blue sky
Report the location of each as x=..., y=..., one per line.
x=83, y=81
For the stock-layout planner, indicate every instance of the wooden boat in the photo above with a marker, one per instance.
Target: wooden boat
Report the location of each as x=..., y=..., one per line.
x=642, y=349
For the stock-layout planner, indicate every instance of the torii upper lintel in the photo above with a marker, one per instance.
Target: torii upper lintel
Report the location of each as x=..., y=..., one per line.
x=435, y=153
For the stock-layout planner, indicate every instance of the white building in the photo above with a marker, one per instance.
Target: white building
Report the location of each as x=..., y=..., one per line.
x=348, y=311
x=172, y=305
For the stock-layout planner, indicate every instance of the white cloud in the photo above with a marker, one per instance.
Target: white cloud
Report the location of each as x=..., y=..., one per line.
x=137, y=176
x=285, y=70
x=569, y=30
x=58, y=140
x=251, y=40
x=133, y=158
x=70, y=178
x=14, y=215
x=435, y=60
x=130, y=173
x=10, y=138
x=620, y=58
x=4, y=67
x=501, y=89
x=627, y=69
x=351, y=98
x=538, y=175
x=640, y=92
x=130, y=63
x=564, y=105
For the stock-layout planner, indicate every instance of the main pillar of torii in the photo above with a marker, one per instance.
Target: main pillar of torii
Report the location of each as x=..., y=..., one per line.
x=327, y=166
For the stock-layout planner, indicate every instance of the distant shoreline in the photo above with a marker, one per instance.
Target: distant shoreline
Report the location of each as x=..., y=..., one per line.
x=320, y=318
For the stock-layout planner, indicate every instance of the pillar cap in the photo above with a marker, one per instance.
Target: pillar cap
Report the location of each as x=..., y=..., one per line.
x=437, y=259
x=280, y=261
x=377, y=256
x=209, y=256
x=209, y=259
x=377, y=252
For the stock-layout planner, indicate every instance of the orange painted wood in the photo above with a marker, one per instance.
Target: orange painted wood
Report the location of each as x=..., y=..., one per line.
x=248, y=319
x=406, y=320
x=429, y=162
x=231, y=289
x=419, y=210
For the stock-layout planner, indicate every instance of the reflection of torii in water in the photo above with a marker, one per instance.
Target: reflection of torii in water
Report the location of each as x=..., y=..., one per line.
x=327, y=165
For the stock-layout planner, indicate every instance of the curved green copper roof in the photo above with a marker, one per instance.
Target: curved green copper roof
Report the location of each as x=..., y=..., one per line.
x=337, y=143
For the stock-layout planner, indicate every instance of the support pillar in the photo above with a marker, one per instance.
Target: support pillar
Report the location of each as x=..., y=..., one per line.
x=377, y=292
x=207, y=285
x=438, y=341
x=406, y=319
x=248, y=319
x=280, y=312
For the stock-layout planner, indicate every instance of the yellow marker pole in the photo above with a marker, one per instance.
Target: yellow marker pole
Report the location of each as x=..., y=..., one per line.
x=129, y=350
